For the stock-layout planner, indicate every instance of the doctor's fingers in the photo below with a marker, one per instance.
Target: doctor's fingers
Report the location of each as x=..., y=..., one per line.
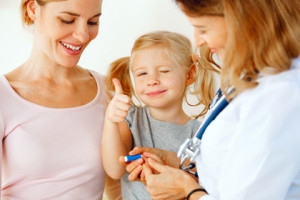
x=147, y=151
x=153, y=156
x=159, y=189
x=139, y=150
x=153, y=184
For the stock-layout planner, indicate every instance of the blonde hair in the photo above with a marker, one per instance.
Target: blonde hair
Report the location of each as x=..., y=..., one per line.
x=270, y=38
x=119, y=69
x=201, y=7
x=179, y=49
x=261, y=33
x=26, y=21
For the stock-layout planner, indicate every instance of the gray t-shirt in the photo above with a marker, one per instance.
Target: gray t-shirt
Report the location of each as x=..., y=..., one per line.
x=149, y=132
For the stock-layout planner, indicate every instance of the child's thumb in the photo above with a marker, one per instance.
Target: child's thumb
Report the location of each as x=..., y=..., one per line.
x=118, y=86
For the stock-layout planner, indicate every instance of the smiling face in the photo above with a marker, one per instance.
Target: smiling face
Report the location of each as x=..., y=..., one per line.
x=159, y=82
x=210, y=30
x=64, y=29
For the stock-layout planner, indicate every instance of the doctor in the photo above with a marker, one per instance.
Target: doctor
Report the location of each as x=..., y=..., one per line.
x=251, y=150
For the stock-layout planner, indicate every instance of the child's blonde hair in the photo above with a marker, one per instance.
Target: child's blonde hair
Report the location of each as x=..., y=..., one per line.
x=119, y=69
x=179, y=50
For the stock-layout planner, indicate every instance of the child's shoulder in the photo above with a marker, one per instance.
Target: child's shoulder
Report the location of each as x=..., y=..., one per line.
x=136, y=113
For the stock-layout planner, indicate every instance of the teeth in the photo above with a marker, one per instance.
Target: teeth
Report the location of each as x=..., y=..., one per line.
x=70, y=46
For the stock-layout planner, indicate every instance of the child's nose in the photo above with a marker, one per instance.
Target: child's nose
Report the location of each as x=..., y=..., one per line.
x=152, y=80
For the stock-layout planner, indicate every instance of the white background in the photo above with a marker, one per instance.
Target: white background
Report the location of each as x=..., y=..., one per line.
x=121, y=23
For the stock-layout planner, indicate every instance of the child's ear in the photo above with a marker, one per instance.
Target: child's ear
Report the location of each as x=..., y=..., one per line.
x=191, y=75
x=31, y=9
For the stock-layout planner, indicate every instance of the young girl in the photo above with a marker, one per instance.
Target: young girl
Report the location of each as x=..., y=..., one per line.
x=163, y=70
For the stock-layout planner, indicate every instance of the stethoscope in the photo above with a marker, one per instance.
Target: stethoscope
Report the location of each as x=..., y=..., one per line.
x=190, y=149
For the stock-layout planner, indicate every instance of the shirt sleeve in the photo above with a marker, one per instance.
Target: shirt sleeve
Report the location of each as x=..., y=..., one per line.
x=263, y=158
x=131, y=115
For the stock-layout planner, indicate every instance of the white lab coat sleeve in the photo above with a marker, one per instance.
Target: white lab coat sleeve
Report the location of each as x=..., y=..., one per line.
x=263, y=158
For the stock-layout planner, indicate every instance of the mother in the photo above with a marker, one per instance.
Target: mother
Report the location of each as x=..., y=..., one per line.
x=51, y=109
x=251, y=150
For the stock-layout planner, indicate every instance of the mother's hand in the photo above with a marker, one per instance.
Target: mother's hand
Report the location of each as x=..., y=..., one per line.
x=167, y=183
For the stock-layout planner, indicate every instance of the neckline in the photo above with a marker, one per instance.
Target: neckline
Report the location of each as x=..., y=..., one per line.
x=158, y=121
x=37, y=106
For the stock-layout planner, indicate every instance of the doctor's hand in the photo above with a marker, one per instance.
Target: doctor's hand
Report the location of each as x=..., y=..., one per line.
x=119, y=106
x=167, y=183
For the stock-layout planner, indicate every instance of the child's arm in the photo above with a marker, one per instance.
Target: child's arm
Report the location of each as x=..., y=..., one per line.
x=117, y=138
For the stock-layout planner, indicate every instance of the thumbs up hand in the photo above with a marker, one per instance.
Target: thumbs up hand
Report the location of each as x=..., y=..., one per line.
x=119, y=106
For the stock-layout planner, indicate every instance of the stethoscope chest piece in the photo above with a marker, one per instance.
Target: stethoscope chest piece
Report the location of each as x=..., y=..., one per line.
x=190, y=149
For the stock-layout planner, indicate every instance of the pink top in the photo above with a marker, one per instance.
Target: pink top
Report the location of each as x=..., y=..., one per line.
x=51, y=153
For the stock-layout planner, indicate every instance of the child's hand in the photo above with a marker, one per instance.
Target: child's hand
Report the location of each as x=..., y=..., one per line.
x=166, y=157
x=119, y=106
x=134, y=168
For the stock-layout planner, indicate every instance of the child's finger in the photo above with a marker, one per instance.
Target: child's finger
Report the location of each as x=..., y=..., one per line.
x=118, y=86
x=122, y=160
x=133, y=164
x=122, y=103
x=134, y=175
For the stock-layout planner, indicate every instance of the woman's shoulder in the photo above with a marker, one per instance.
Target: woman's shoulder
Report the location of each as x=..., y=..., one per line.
x=5, y=88
x=289, y=78
x=276, y=88
x=100, y=81
x=97, y=75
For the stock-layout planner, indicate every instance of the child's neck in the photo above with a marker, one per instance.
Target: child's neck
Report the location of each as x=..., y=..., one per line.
x=172, y=115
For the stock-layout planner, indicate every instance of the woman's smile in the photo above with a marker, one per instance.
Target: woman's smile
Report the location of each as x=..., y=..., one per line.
x=71, y=48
